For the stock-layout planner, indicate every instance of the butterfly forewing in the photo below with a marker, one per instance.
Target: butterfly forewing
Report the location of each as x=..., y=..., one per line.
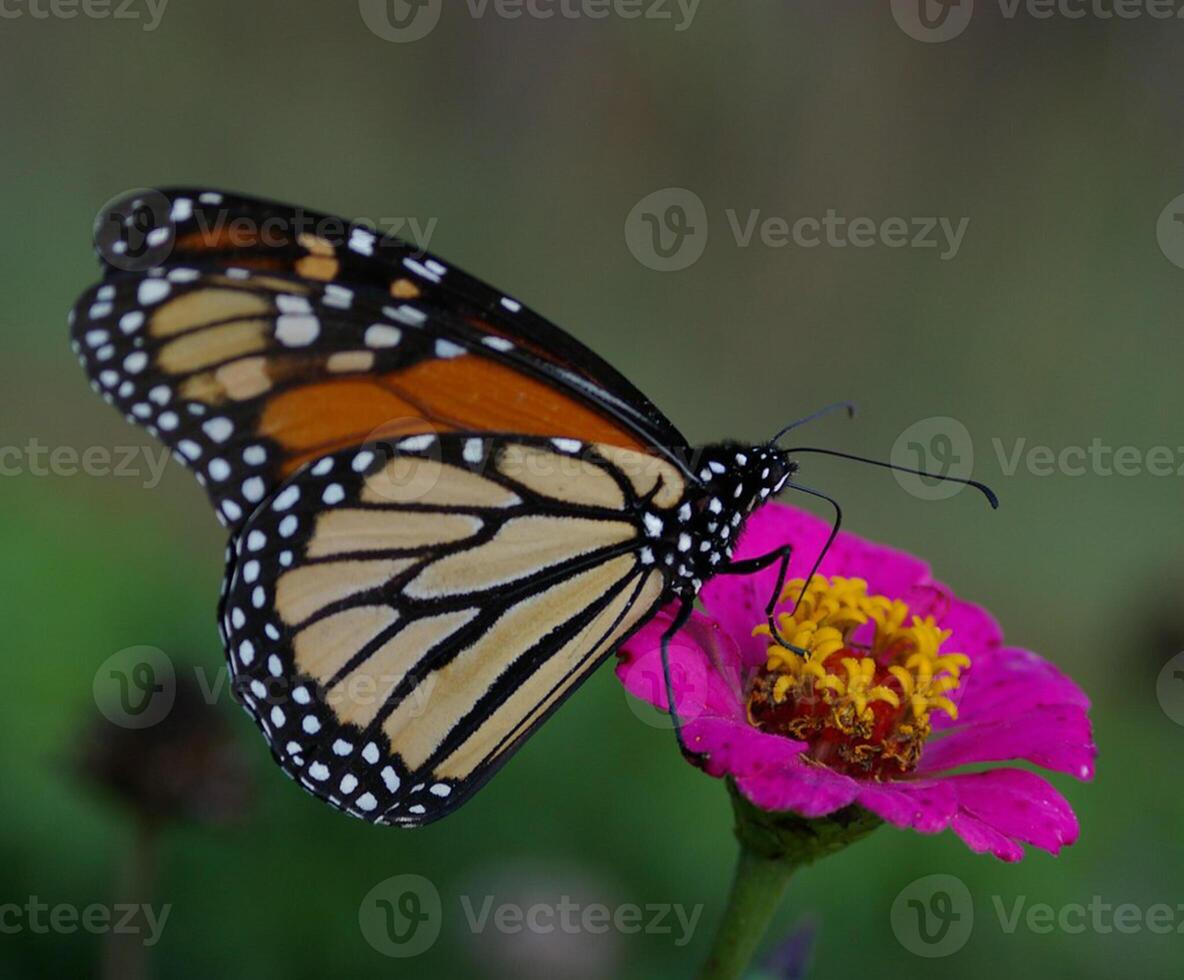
x=203, y=228
x=400, y=617
x=248, y=375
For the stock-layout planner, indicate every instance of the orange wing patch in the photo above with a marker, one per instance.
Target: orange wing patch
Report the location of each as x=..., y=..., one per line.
x=468, y=393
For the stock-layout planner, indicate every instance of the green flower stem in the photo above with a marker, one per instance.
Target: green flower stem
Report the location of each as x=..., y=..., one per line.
x=756, y=892
x=772, y=847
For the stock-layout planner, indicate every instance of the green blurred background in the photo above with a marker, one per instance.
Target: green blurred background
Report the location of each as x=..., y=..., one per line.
x=528, y=142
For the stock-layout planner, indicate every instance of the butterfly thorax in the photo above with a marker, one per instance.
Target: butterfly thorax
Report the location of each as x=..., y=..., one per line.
x=732, y=481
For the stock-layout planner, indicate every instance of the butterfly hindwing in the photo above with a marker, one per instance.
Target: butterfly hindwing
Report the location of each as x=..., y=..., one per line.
x=400, y=617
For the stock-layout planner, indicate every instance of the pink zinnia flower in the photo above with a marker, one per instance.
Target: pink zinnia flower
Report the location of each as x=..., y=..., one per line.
x=904, y=688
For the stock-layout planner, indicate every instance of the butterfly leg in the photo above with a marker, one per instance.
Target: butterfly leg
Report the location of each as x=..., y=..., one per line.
x=749, y=566
x=679, y=621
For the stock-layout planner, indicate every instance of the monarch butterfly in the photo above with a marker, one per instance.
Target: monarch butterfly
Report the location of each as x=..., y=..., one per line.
x=444, y=512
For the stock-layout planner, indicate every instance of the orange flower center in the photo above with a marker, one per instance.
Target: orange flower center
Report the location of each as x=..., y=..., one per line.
x=860, y=698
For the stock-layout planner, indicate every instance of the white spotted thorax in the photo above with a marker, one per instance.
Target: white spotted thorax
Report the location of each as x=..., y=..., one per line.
x=701, y=537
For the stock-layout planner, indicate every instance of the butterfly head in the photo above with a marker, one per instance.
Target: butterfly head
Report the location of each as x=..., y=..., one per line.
x=739, y=478
x=733, y=481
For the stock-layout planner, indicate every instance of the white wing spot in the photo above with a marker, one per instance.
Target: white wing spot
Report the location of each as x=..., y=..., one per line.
x=382, y=335
x=297, y=330
x=218, y=429
x=406, y=314
x=253, y=489
x=131, y=322
x=447, y=349
x=421, y=270
x=152, y=291
x=416, y=444
x=286, y=499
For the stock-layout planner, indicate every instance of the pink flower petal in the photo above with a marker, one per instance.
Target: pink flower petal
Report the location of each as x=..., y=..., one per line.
x=811, y=790
x=1017, y=804
x=735, y=748
x=703, y=668
x=1012, y=683
x=975, y=631
x=1058, y=738
x=983, y=839
x=926, y=805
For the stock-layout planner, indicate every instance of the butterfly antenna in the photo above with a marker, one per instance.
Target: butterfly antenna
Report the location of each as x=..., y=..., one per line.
x=980, y=487
x=830, y=539
x=849, y=406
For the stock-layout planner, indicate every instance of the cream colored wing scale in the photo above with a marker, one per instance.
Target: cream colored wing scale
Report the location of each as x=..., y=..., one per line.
x=400, y=618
